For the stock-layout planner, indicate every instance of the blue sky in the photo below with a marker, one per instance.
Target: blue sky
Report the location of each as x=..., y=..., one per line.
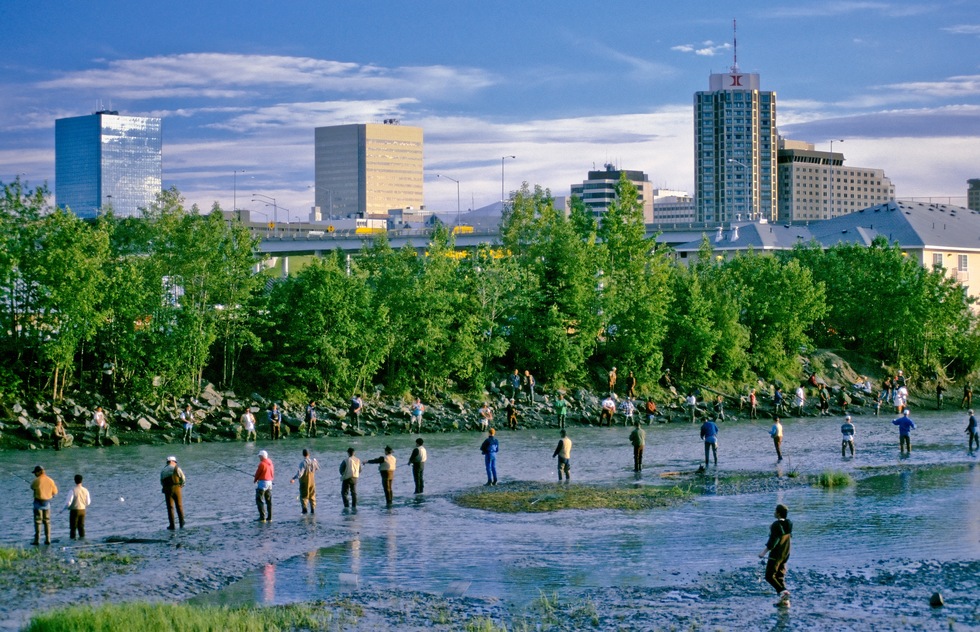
x=565, y=86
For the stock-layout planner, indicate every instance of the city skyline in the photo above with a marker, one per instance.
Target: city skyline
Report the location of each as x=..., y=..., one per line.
x=565, y=88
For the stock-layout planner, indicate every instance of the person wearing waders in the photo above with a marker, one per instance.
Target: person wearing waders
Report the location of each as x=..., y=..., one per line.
x=172, y=481
x=386, y=467
x=44, y=489
x=972, y=433
x=905, y=428
x=306, y=474
x=778, y=548
x=264, y=475
x=418, y=459
x=639, y=439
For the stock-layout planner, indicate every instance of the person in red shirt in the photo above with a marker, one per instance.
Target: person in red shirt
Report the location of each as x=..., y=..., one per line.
x=264, y=474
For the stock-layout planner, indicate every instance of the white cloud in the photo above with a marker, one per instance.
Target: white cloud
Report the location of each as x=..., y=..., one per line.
x=308, y=115
x=704, y=49
x=220, y=75
x=845, y=7
x=963, y=29
x=951, y=87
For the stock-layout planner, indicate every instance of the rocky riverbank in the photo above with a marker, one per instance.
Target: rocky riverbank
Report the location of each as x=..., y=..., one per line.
x=218, y=413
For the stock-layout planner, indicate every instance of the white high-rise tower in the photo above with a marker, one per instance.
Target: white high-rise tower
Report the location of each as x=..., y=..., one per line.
x=735, y=149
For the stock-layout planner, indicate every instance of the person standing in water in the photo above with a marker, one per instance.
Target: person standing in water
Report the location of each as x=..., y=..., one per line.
x=905, y=428
x=564, y=454
x=847, y=431
x=306, y=474
x=638, y=438
x=386, y=467
x=776, y=432
x=489, y=449
x=264, y=475
x=778, y=548
x=709, y=434
x=972, y=434
x=172, y=481
x=418, y=459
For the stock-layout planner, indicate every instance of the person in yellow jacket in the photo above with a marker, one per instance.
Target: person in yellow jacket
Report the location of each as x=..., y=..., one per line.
x=44, y=490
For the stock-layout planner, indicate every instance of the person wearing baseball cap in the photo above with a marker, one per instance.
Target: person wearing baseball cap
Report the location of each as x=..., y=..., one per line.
x=264, y=474
x=172, y=480
x=44, y=490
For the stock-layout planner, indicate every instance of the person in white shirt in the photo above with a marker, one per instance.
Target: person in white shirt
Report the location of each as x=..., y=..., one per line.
x=608, y=411
x=78, y=500
x=418, y=459
x=248, y=424
x=101, y=425
x=350, y=471
x=486, y=416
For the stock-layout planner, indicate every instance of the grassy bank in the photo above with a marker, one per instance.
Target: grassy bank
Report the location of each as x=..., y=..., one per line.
x=540, y=497
x=164, y=617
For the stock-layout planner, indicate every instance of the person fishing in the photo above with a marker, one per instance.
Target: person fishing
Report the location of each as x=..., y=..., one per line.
x=172, y=481
x=306, y=474
x=264, y=474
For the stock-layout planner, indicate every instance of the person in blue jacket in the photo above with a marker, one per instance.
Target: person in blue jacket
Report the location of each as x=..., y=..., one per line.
x=905, y=428
x=489, y=449
x=709, y=434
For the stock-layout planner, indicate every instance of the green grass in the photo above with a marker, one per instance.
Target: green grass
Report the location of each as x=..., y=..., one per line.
x=9, y=558
x=483, y=624
x=830, y=479
x=540, y=497
x=165, y=617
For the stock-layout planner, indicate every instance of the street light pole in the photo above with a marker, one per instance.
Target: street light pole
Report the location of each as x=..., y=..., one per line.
x=839, y=140
x=275, y=206
x=439, y=175
x=502, y=158
x=234, y=198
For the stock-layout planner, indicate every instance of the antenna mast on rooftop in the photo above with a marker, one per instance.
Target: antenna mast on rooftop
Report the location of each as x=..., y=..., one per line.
x=734, y=47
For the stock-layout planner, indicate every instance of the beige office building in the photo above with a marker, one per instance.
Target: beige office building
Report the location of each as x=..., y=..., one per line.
x=368, y=169
x=804, y=191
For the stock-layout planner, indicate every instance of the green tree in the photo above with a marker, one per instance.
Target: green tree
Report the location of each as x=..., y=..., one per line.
x=778, y=304
x=62, y=274
x=326, y=335
x=636, y=295
x=556, y=328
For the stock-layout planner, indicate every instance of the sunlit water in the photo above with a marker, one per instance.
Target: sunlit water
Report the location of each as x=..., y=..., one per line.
x=430, y=544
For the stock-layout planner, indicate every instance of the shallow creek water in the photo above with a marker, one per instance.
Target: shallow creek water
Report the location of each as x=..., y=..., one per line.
x=429, y=544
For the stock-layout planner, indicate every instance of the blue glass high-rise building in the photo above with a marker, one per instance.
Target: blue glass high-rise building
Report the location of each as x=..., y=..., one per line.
x=106, y=160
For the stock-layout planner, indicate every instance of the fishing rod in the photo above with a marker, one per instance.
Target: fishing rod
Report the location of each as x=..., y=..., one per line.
x=20, y=477
x=229, y=466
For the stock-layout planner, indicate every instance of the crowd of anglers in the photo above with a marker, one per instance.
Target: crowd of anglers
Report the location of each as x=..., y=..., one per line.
x=173, y=480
